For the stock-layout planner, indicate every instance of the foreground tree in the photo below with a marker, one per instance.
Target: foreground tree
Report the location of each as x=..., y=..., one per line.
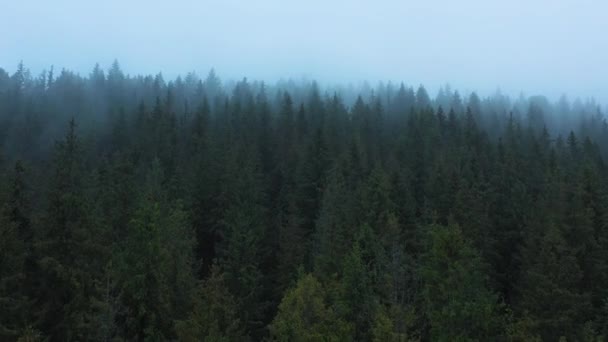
x=457, y=303
x=215, y=314
x=72, y=256
x=153, y=266
x=17, y=268
x=550, y=296
x=305, y=315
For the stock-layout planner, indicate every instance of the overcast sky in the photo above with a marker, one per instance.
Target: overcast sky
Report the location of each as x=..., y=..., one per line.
x=536, y=46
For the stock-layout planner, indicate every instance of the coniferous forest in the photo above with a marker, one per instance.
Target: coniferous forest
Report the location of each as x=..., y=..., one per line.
x=134, y=208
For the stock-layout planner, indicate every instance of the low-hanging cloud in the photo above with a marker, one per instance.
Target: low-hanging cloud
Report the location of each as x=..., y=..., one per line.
x=538, y=47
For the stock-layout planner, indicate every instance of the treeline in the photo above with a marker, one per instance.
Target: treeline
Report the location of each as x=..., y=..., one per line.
x=136, y=209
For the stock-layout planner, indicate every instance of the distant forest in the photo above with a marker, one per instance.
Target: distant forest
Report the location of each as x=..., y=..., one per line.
x=133, y=208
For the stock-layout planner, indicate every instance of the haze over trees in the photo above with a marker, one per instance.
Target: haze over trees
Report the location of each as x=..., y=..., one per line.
x=133, y=208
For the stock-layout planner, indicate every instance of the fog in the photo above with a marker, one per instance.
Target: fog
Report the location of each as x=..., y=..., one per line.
x=307, y=170
x=534, y=47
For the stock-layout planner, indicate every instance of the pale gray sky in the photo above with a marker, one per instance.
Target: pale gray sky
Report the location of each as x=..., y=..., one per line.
x=535, y=46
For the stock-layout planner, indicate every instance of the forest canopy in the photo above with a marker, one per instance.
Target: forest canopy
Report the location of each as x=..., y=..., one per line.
x=136, y=208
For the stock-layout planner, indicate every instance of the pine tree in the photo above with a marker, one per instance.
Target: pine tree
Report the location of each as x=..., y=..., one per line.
x=16, y=259
x=243, y=228
x=215, y=313
x=359, y=273
x=18, y=269
x=310, y=183
x=72, y=257
x=549, y=292
x=141, y=277
x=305, y=315
x=334, y=228
x=153, y=265
x=457, y=303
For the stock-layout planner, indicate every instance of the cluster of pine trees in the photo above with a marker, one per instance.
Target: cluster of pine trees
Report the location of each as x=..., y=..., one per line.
x=134, y=209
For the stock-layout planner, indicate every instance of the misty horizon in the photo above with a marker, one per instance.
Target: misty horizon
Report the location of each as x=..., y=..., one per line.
x=351, y=88
x=269, y=170
x=541, y=48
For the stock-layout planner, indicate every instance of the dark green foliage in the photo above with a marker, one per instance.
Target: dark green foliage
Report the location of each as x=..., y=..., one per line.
x=457, y=302
x=306, y=315
x=15, y=256
x=70, y=252
x=550, y=292
x=214, y=315
x=153, y=266
x=196, y=210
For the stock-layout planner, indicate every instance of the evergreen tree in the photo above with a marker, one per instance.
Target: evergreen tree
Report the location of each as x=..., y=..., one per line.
x=305, y=315
x=71, y=257
x=16, y=256
x=215, y=313
x=243, y=227
x=549, y=293
x=457, y=303
x=153, y=266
